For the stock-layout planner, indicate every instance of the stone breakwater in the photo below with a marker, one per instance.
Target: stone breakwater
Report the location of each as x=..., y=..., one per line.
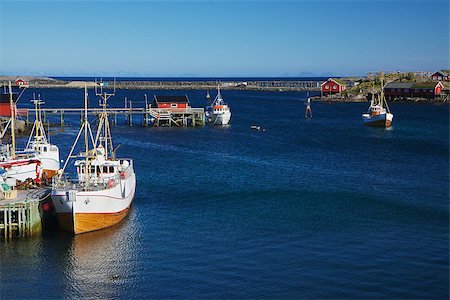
x=261, y=85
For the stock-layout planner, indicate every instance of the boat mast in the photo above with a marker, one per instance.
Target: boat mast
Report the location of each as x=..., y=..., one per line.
x=104, y=131
x=86, y=138
x=13, y=111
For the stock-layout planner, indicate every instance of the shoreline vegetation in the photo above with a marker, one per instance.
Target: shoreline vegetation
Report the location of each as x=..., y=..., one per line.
x=360, y=89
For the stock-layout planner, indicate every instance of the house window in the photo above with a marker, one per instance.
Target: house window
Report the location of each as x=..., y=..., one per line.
x=334, y=87
x=406, y=90
x=326, y=87
x=173, y=105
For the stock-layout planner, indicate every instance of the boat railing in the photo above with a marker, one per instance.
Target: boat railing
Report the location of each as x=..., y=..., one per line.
x=94, y=183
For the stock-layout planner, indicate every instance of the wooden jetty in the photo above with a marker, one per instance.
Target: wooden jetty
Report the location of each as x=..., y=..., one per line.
x=148, y=116
x=24, y=215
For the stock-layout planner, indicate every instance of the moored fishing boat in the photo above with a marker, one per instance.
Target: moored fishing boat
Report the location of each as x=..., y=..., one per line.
x=103, y=190
x=218, y=113
x=16, y=164
x=378, y=114
x=47, y=153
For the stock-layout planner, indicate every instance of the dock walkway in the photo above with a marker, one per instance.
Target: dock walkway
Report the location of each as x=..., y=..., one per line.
x=22, y=216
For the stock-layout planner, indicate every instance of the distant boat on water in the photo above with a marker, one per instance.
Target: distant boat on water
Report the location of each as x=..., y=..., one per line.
x=219, y=112
x=207, y=95
x=378, y=114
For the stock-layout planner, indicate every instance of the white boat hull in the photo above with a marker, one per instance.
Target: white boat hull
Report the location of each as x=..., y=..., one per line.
x=84, y=211
x=220, y=118
x=381, y=120
x=22, y=169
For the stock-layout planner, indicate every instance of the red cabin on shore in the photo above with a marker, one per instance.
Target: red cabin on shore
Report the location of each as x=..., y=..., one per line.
x=429, y=90
x=22, y=83
x=170, y=102
x=440, y=76
x=333, y=86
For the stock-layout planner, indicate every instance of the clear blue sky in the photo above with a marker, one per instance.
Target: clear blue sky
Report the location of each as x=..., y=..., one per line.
x=222, y=38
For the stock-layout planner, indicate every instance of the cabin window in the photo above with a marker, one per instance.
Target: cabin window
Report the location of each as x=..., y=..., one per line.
x=92, y=169
x=105, y=169
x=45, y=149
x=111, y=169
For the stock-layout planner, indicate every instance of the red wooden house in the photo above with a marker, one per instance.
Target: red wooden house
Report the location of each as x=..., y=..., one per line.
x=333, y=86
x=428, y=90
x=22, y=83
x=440, y=76
x=170, y=102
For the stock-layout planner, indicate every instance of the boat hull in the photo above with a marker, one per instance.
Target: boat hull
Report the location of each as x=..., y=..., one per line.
x=22, y=169
x=219, y=119
x=381, y=120
x=84, y=211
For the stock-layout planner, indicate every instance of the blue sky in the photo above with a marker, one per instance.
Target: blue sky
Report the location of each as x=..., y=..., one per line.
x=222, y=38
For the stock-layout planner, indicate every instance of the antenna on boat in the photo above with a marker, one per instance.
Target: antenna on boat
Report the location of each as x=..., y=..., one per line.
x=104, y=133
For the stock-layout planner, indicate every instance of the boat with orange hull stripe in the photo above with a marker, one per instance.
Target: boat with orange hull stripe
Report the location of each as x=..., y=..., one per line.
x=104, y=189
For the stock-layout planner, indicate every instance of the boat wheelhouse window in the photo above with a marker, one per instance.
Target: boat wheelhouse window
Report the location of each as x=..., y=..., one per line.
x=105, y=169
x=92, y=169
x=45, y=149
x=111, y=169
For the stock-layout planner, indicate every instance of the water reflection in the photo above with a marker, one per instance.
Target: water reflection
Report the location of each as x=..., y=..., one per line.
x=101, y=262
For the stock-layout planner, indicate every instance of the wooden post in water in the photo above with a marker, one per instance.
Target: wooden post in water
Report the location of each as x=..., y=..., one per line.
x=62, y=118
x=146, y=112
x=130, y=118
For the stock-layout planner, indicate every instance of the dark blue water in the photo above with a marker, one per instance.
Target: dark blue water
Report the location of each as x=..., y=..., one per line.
x=320, y=208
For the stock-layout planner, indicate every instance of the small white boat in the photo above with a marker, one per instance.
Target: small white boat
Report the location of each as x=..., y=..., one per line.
x=207, y=95
x=219, y=112
x=378, y=114
x=103, y=190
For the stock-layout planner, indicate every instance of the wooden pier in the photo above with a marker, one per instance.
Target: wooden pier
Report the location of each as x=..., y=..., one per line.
x=148, y=116
x=23, y=216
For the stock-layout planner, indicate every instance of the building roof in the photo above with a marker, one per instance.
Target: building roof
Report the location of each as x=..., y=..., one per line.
x=172, y=99
x=398, y=85
x=338, y=81
x=440, y=73
x=425, y=85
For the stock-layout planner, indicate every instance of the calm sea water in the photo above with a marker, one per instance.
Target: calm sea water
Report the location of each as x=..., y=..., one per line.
x=316, y=208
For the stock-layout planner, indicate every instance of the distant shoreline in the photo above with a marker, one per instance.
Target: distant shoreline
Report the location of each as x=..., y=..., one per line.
x=264, y=85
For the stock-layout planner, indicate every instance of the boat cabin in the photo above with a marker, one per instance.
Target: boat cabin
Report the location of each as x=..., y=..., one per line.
x=170, y=102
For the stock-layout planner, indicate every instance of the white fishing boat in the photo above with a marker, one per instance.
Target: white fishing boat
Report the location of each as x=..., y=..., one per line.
x=218, y=113
x=103, y=190
x=378, y=114
x=16, y=164
x=207, y=95
x=38, y=143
